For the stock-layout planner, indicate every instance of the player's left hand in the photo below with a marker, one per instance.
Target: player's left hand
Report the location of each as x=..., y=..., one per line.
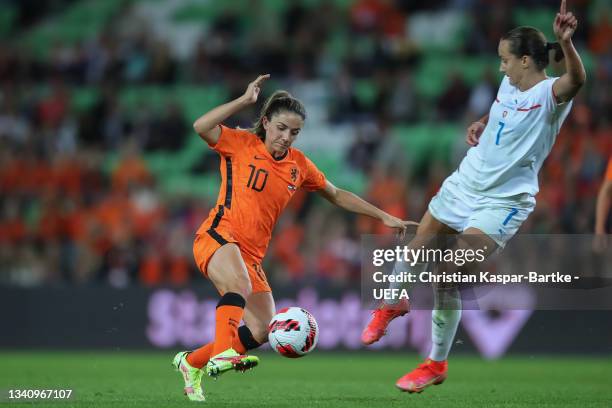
x=565, y=24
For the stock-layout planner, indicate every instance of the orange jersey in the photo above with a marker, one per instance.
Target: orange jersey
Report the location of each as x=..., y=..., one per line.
x=609, y=170
x=255, y=188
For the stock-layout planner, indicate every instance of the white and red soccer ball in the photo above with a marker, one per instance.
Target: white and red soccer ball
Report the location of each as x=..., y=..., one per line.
x=293, y=332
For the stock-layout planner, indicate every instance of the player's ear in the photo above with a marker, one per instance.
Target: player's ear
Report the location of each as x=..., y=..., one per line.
x=525, y=61
x=265, y=122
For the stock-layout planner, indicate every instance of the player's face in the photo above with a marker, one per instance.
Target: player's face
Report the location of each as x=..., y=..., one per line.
x=511, y=65
x=281, y=131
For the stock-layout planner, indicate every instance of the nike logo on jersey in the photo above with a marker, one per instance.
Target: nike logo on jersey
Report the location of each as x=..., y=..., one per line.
x=259, y=158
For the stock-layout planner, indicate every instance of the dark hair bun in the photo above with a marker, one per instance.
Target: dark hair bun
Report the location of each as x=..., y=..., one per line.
x=556, y=47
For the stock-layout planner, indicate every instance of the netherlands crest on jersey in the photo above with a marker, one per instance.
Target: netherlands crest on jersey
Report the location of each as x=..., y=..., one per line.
x=294, y=174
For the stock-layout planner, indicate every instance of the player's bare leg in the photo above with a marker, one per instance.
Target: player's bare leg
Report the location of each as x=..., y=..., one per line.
x=260, y=309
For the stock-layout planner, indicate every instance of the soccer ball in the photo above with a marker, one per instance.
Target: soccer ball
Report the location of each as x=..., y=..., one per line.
x=293, y=332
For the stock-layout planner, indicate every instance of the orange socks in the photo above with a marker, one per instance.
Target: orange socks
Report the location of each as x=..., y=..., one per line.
x=245, y=341
x=229, y=314
x=198, y=358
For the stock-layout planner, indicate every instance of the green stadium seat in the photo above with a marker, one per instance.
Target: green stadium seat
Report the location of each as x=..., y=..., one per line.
x=335, y=168
x=79, y=22
x=431, y=76
x=426, y=142
x=194, y=101
x=540, y=18
x=206, y=186
x=8, y=15
x=204, y=12
x=338, y=44
x=366, y=92
x=83, y=98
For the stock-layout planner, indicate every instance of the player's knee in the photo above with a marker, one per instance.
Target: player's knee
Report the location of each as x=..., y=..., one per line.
x=236, y=283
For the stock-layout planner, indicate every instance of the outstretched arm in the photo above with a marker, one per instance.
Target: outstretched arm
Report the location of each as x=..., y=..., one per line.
x=207, y=125
x=567, y=86
x=352, y=202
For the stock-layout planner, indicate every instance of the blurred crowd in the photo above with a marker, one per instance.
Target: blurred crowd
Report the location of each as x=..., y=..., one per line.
x=68, y=214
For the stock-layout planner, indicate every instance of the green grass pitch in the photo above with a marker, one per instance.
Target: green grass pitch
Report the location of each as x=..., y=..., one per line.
x=124, y=379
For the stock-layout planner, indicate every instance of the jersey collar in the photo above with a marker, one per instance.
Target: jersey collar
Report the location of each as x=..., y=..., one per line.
x=268, y=155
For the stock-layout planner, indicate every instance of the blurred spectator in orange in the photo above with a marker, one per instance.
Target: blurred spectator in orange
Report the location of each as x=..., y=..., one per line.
x=286, y=248
x=387, y=191
x=378, y=16
x=131, y=170
x=600, y=35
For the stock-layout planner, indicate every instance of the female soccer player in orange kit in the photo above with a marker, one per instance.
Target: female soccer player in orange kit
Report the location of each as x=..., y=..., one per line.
x=260, y=172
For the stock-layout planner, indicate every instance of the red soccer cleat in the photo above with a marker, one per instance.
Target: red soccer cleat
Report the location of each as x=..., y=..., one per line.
x=426, y=374
x=381, y=317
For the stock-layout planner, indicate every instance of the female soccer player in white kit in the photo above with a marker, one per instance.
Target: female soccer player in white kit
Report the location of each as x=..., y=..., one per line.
x=493, y=191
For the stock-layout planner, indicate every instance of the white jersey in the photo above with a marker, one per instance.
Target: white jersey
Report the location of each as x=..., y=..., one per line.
x=519, y=135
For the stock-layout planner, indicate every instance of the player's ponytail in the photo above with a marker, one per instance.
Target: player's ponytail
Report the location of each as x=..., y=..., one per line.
x=277, y=102
x=556, y=47
x=532, y=42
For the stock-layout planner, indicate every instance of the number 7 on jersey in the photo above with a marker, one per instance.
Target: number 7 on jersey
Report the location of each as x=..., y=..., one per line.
x=499, y=131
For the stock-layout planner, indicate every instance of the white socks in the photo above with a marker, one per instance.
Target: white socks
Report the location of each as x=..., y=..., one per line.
x=445, y=319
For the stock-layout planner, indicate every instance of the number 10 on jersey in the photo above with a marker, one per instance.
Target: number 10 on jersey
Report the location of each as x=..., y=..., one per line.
x=257, y=178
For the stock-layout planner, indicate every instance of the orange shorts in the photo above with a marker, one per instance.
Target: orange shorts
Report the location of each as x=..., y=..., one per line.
x=205, y=246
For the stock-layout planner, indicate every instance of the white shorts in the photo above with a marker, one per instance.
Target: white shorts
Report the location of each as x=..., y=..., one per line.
x=460, y=208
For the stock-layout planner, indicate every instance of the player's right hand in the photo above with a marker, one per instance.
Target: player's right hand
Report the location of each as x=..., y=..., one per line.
x=400, y=225
x=254, y=88
x=473, y=133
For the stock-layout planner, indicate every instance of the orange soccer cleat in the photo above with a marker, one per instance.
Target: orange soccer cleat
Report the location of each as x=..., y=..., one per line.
x=381, y=317
x=429, y=373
